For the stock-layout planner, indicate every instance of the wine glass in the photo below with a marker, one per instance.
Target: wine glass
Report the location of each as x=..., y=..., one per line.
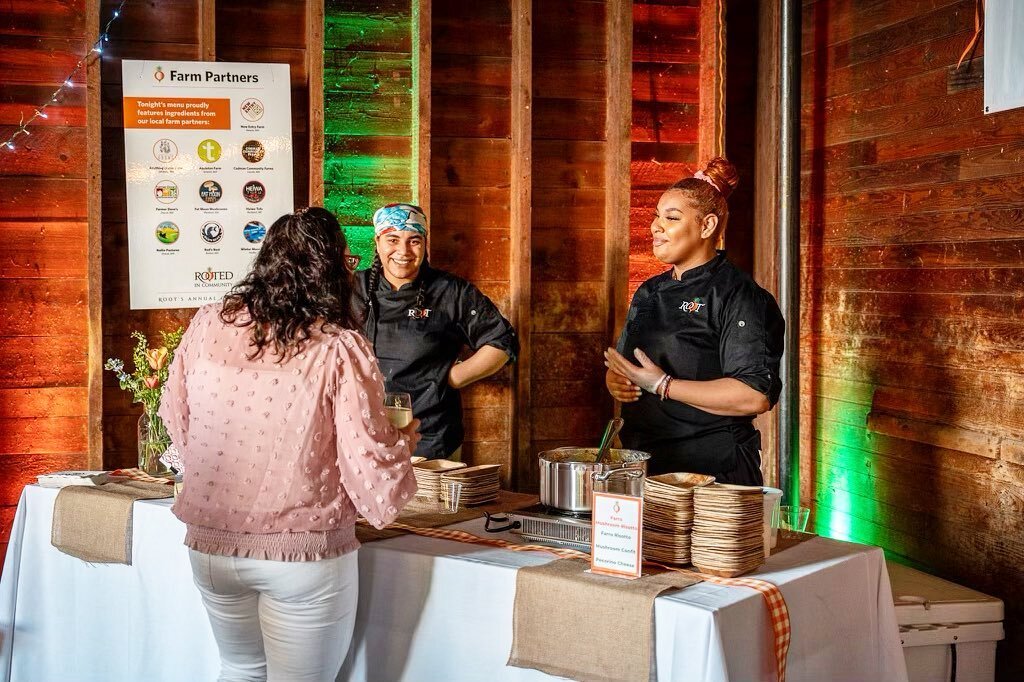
x=398, y=407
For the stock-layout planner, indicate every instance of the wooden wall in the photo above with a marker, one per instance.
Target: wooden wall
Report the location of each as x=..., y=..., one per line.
x=368, y=112
x=666, y=101
x=913, y=377
x=569, y=306
x=220, y=30
x=44, y=349
x=470, y=177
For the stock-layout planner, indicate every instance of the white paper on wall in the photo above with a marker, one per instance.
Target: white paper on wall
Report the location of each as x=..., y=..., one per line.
x=208, y=168
x=1004, y=55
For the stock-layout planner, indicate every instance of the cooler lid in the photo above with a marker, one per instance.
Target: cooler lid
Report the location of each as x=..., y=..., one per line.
x=922, y=598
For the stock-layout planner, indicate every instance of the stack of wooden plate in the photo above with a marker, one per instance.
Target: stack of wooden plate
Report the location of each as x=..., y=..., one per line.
x=668, y=516
x=728, y=527
x=479, y=483
x=428, y=476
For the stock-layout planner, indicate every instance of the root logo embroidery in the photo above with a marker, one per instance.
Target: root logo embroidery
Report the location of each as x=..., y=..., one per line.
x=694, y=306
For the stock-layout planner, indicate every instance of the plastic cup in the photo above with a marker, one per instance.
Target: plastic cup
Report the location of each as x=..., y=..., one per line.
x=451, y=491
x=772, y=498
x=793, y=517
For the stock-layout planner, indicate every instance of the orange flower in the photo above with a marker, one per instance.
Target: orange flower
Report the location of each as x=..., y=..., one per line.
x=157, y=358
x=153, y=381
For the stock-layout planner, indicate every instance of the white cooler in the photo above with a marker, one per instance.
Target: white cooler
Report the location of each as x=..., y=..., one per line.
x=948, y=632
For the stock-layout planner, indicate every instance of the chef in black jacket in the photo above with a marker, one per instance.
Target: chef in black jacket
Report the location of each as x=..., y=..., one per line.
x=418, y=319
x=707, y=342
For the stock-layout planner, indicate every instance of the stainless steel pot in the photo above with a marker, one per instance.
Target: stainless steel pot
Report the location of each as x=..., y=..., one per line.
x=567, y=475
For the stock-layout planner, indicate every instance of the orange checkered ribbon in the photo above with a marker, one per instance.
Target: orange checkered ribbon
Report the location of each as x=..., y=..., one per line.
x=778, y=612
x=137, y=474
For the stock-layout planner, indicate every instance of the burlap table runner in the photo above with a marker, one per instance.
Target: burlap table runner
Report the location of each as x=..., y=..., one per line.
x=586, y=626
x=95, y=524
x=423, y=514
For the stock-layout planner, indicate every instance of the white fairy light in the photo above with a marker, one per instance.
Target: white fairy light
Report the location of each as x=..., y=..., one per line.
x=97, y=47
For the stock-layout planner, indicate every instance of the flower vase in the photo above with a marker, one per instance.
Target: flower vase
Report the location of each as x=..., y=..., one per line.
x=153, y=441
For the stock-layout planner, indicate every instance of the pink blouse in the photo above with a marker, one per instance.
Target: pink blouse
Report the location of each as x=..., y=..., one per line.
x=280, y=458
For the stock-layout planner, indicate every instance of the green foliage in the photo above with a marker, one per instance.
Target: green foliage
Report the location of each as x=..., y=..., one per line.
x=152, y=365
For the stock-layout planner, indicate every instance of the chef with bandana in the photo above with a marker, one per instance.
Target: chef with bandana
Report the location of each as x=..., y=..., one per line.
x=419, y=319
x=699, y=355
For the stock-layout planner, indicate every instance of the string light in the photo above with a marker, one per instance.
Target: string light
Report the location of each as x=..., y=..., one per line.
x=97, y=48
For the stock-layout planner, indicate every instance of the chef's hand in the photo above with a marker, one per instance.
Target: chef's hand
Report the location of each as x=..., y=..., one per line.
x=621, y=388
x=647, y=376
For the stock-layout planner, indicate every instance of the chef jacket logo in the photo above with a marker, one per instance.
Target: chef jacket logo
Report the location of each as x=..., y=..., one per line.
x=693, y=306
x=419, y=313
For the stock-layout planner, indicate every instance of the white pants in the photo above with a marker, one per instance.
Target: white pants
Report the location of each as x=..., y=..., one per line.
x=289, y=621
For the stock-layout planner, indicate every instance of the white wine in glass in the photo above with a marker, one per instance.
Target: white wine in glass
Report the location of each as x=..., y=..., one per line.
x=398, y=407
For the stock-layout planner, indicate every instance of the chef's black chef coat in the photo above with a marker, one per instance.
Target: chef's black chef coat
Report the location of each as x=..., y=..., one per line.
x=416, y=350
x=713, y=322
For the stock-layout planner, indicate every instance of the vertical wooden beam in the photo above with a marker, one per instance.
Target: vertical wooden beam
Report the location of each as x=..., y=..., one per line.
x=711, y=139
x=94, y=248
x=617, y=156
x=315, y=76
x=207, y=18
x=520, y=228
x=766, y=192
x=421, y=56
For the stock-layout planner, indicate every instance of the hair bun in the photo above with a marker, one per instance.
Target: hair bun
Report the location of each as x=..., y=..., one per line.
x=724, y=175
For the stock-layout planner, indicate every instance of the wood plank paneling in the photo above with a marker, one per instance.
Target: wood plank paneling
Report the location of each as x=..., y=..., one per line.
x=44, y=402
x=572, y=229
x=912, y=430
x=666, y=110
x=473, y=134
x=369, y=132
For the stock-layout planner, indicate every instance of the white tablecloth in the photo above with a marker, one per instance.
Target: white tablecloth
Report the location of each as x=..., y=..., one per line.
x=428, y=610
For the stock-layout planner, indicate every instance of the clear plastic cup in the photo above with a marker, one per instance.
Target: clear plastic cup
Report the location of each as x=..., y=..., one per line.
x=772, y=498
x=794, y=518
x=451, y=491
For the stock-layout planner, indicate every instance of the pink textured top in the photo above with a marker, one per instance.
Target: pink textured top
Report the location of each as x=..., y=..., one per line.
x=280, y=458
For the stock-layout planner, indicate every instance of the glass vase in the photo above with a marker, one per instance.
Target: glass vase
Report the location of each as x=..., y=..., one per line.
x=153, y=441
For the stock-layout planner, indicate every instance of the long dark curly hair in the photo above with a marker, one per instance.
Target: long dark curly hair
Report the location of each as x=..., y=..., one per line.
x=298, y=280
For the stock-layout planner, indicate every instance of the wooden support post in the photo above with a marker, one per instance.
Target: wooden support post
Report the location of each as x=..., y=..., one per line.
x=207, y=17
x=421, y=56
x=617, y=155
x=94, y=244
x=315, y=77
x=766, y=197
x=711, y=138
x=520, y=244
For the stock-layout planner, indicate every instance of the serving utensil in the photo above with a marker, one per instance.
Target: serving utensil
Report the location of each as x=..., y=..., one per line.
x=610, y=432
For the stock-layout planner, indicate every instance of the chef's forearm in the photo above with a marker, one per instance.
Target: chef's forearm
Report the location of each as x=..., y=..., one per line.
x=477, y=366
x=725, y=397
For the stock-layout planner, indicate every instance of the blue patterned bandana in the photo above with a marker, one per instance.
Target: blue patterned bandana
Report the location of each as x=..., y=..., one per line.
x=398, y=217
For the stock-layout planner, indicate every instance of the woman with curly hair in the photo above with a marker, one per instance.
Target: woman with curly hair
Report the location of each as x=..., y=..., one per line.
x=419, y=319
x=275, y=403
x=707, y=342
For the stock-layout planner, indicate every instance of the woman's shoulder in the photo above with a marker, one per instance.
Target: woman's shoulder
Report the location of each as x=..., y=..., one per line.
x=207, y=315
x=345, y=340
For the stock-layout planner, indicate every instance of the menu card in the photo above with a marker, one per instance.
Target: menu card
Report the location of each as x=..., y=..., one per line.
x=616, y=534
